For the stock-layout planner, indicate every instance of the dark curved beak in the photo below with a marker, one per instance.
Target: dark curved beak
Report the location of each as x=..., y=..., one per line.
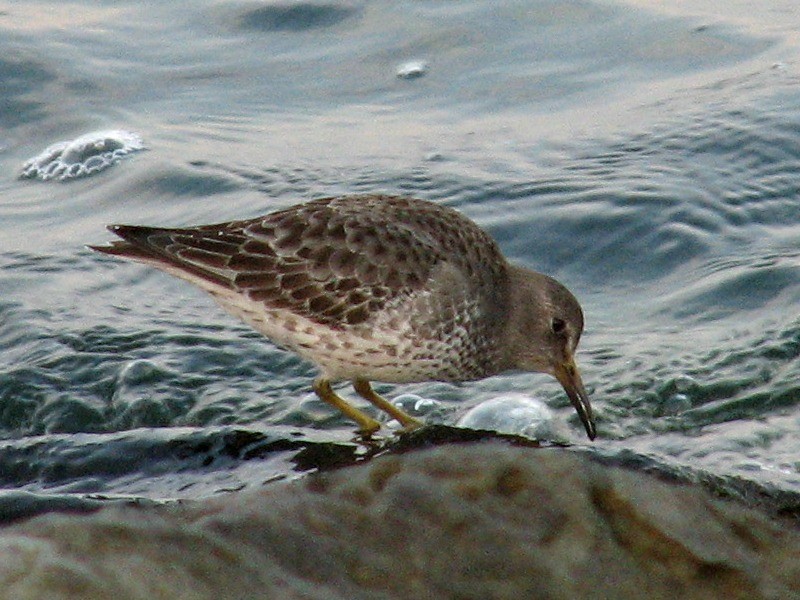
x=570, y=379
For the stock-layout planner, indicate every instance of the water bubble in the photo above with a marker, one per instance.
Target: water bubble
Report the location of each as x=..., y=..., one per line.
x=416, y=405
x=83, y=156
x=512, y=413
x=139, y=372
x=412, y=69
x=675, y=405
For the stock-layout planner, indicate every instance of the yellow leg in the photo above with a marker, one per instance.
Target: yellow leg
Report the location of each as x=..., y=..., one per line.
x=364, y=389
x=366, y=424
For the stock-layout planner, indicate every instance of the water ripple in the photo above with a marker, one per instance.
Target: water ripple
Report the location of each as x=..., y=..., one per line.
x=295, y=17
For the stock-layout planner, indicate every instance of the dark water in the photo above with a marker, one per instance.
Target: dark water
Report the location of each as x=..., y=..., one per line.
x=648, y=160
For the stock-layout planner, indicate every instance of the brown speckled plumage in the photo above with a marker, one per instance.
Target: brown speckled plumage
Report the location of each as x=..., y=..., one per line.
x=368, y=287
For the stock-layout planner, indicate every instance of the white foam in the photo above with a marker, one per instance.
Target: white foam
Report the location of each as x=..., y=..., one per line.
x=83, y=156
x=412, y=69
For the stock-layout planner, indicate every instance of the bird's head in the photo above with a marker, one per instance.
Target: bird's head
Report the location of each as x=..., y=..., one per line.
x=544, y=326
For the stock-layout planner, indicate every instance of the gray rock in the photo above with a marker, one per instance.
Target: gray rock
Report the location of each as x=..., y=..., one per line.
x=459, y=521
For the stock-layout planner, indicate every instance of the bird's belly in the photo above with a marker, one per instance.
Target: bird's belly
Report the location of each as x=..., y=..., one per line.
x=388, y=353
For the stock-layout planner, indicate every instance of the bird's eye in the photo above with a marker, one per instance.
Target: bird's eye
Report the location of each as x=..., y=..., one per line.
x=558, y=325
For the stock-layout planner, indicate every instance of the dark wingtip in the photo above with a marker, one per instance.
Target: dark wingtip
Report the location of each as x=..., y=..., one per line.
x=113, y=248
x=129, y=248
x=130, y=232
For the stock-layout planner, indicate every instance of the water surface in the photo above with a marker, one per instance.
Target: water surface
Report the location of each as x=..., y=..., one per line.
x=648, y=159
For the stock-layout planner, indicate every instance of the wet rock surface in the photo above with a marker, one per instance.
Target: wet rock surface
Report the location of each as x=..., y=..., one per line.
x=481, y=519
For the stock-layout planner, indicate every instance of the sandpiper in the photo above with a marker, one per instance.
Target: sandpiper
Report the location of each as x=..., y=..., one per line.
x=377, y=288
